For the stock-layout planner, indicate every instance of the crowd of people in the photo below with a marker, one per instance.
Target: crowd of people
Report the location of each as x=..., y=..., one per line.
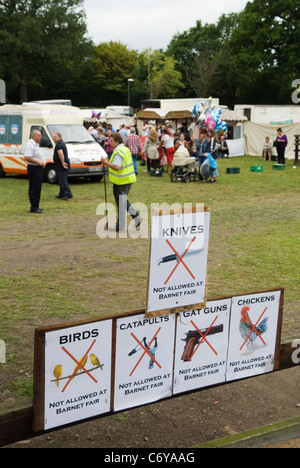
x=159, y=147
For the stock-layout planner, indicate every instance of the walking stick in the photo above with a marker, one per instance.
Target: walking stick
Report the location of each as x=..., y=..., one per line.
x=105, y=195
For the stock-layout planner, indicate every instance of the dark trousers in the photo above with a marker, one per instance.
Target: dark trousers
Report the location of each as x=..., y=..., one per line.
x=152, y=163
x=201, y=158
x=281, y=153
x=121, y=197
x=62, y=176
x=35, y=176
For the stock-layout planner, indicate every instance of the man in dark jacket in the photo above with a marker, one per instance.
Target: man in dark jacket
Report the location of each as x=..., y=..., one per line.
x=62, y=166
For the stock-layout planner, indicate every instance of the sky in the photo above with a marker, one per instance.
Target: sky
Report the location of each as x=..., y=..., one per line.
x=145, y=24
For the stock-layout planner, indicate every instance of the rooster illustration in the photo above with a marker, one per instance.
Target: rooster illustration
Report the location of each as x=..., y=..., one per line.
x=246, y=327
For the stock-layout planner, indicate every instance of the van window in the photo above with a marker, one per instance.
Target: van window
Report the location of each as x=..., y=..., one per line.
x=71, y=133
x=11, y=129
x=45, y=142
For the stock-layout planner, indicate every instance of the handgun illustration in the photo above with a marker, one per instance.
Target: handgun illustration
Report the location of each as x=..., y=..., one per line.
x=176, y=258
x=193, y=337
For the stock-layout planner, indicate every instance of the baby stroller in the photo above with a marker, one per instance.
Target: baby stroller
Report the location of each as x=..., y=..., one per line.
x=185, y=168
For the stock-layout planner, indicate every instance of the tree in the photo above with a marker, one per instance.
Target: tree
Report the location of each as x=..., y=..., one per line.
x=202, y=55
x=114, y=63
x=264, y=51
x=162, y=80
x=248, y=57
x=41, y=43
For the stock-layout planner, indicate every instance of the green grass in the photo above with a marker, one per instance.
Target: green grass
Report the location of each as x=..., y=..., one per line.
x=54, y=268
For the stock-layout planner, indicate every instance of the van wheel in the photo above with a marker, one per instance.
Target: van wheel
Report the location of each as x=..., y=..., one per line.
x=2, y=173
x=50, y=174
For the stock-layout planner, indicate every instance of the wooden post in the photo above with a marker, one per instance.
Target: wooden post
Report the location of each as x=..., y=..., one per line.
x=297, y=145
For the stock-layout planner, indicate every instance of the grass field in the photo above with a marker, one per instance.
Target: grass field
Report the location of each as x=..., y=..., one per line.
x=54, y=268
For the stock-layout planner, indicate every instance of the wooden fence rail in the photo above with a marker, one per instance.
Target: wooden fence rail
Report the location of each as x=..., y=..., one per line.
x=16, y=423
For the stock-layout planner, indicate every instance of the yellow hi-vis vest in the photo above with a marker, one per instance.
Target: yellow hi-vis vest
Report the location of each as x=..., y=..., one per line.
x=126, y=175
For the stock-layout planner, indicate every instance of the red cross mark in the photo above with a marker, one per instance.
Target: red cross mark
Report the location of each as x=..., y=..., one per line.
x=78, y=364
x=253, y=329
x=180, y=259
x=204, y=338
x=145, y=351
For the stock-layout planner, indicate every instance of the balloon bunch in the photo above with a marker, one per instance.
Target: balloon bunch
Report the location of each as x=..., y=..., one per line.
x=97, y=116
x=207, y=115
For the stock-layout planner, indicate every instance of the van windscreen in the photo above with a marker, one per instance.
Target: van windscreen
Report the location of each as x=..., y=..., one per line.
x=72, y=133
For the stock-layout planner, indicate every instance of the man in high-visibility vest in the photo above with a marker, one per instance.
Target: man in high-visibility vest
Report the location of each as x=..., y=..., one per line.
x=122, y=175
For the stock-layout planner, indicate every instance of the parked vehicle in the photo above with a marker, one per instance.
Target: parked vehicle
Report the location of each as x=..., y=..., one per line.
x=17, y=123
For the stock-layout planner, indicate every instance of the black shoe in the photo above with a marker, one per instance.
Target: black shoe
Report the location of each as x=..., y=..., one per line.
x=37, y=211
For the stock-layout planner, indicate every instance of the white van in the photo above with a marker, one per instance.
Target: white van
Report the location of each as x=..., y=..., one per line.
x=17, y=123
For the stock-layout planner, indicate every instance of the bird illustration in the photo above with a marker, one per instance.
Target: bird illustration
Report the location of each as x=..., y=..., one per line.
x=246, y=328
x=83, y=362
x=95, y=361
x=57, y=373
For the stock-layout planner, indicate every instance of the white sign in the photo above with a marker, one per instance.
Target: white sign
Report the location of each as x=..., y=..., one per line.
x=95, y=368
x=77, y=373
x=178, y=261
x=2, y=352
x=253, y=333
x=201, y=346
x=144, y=360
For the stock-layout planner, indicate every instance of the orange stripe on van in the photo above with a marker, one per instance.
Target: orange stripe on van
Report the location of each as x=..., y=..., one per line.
x=10, y=146
x=19, y=161
x=16, y=171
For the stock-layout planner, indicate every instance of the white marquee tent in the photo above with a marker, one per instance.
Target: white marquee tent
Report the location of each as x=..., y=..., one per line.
x=255, y=135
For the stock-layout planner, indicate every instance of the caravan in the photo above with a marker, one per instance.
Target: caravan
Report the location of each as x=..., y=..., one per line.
x=17, y=123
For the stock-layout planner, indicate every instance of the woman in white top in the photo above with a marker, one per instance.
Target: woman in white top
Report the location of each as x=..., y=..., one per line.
x=167, y=140
x=267, y=149
x=145, y=129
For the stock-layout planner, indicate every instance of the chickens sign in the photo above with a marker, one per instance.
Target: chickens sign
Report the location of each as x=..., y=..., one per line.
x=253, y=334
